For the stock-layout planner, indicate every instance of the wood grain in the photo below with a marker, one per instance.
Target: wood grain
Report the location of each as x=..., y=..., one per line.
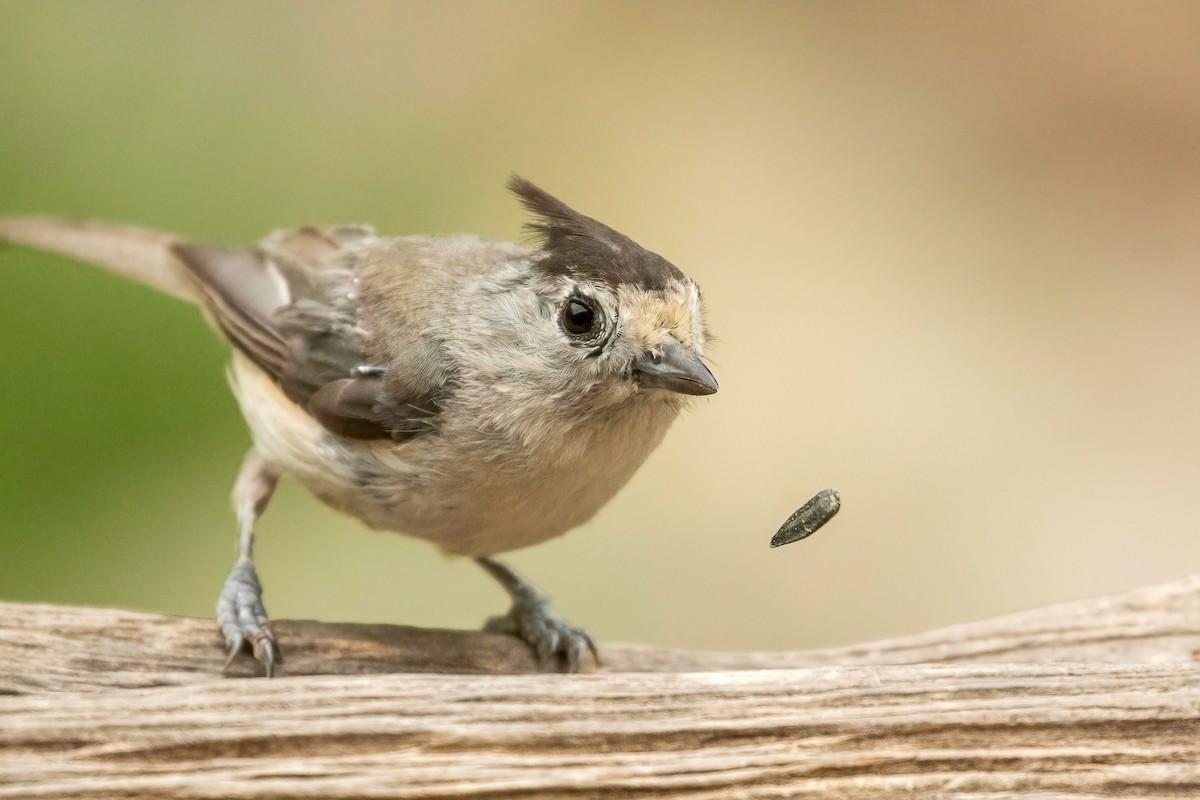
x=1099, y=698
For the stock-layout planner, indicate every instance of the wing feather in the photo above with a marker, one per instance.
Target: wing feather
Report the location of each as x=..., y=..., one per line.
x=290, y=307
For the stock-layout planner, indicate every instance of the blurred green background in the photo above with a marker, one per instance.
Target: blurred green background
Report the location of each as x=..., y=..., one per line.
x=950, y=253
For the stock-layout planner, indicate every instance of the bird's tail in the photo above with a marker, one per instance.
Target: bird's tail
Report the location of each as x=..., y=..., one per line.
x=141, y=255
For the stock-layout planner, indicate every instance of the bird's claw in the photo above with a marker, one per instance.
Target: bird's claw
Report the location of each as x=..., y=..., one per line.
x=243, y=619
x=552, y=638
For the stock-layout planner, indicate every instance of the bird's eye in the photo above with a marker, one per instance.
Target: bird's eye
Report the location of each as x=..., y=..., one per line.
x=578, y=316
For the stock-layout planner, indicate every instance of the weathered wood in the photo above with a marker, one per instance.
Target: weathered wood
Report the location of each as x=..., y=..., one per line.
x=837, y=732
x=103, y=703
x=53, y=648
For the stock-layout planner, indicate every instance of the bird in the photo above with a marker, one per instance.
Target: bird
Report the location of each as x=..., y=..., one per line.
x=481, y=395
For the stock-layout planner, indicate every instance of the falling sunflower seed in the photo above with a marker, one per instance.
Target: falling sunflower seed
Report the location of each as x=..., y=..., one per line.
x=808, y=518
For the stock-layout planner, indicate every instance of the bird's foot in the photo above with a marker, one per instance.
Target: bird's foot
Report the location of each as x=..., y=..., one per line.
x=533, y=621
x=243, y=618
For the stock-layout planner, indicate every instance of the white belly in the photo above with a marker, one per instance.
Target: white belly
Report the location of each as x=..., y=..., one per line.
x=468, y=495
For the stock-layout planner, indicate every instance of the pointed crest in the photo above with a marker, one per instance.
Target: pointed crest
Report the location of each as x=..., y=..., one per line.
x=577, y=245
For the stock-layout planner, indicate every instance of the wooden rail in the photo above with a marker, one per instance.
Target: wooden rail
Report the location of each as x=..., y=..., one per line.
x=1098, y=698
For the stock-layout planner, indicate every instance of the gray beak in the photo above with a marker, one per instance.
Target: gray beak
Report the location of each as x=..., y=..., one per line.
x=676, y=369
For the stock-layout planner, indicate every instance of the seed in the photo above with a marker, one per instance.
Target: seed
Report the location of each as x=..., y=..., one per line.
x=808, y=518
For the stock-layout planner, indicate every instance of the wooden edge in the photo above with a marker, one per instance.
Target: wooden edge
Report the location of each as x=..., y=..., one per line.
x=59, y=648
x=955, y=732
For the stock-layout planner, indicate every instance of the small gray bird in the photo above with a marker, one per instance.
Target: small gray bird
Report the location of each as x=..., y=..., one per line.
x=481, y=395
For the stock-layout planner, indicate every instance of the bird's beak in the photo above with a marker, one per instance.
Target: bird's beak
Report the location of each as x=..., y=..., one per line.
x=675, y=368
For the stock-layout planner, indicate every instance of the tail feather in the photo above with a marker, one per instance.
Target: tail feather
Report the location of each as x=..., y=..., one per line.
x=141, y=255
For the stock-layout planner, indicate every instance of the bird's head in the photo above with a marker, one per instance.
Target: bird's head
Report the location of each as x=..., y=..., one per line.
x=620, y=321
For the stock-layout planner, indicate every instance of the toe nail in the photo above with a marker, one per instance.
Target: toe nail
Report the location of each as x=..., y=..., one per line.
x=269, y=661
x=235, y=647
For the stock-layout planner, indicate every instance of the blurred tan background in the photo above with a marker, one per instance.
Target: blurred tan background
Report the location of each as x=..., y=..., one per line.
x=950, y=252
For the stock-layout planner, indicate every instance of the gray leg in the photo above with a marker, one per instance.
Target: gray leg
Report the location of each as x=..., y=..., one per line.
x=532, y=620
x=240, y=612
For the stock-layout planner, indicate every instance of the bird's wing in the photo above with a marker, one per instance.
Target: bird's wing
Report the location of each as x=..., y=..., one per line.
x=291, y=306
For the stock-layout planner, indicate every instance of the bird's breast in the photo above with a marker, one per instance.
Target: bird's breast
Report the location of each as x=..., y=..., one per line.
x=470, y=488
x=482, y=492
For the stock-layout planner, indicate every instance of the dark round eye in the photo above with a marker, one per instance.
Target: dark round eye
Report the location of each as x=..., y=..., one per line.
x=578, y=316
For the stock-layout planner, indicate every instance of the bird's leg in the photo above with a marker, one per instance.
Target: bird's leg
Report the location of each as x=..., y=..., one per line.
x=240, y=612
x=532, y=620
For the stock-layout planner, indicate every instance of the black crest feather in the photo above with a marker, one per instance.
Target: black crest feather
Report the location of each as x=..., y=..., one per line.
x=577, y=245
